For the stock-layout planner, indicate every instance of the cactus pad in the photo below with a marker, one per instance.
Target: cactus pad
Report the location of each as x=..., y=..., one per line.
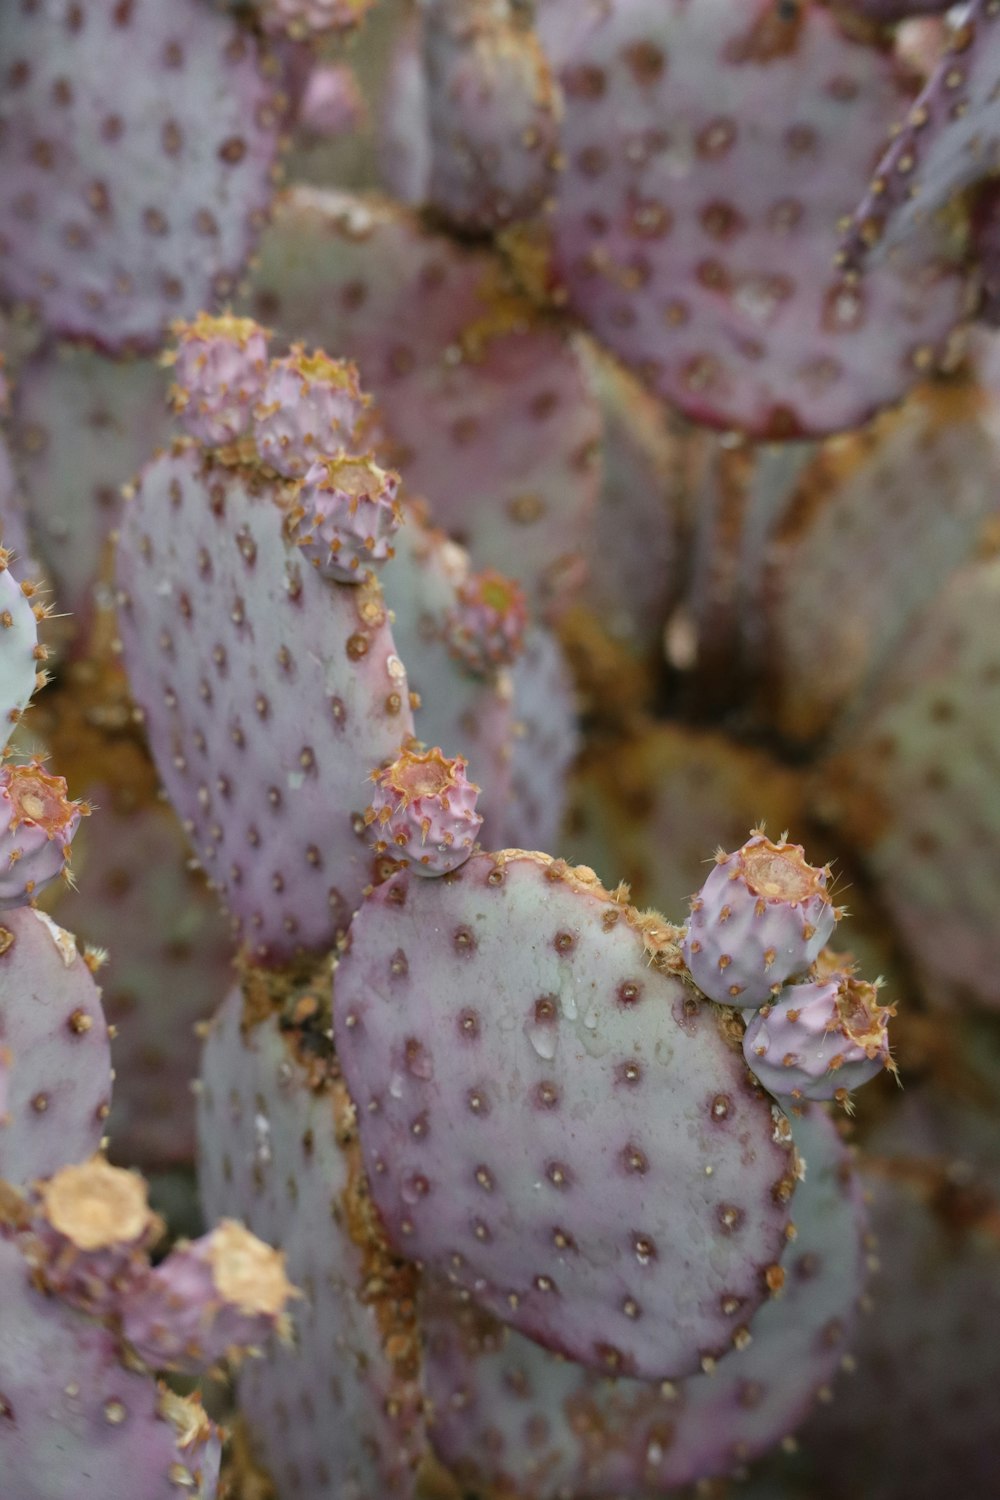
x=710, y=151
x=153, y=195
x=269, y=695
x=508, y=1414
x=547, y=1120
x=912, y=782
x=340, y=1406
x=60, y=1071
x=83, y=425
x=948, y=140
x=492, y=115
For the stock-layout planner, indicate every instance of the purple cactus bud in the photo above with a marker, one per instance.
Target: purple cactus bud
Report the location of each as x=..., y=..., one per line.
x=310, y=410
x=820, y=1040
x=347, y=511
x=424, y=811
x=761, y=918
x=332, y=103
x=301, y=19
x=486, y=627
x=222, y=1293
x=37, y=825
x=91, y=1232
x=220, y=366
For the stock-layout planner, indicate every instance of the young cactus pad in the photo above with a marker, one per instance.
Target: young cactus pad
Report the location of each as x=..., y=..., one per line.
x=552, y=1122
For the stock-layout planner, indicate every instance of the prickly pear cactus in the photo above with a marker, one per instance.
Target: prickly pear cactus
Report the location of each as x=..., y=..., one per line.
x=571, y=1232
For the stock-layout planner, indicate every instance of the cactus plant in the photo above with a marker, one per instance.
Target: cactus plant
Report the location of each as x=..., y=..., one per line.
x=620, y=455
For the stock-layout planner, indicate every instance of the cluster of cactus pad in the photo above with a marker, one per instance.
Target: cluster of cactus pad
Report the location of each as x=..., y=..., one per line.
x=461, y=462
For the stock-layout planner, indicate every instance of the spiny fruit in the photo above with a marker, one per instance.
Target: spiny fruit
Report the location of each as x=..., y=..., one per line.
x=819, y=1040
x=423, y=811
x=761, y=917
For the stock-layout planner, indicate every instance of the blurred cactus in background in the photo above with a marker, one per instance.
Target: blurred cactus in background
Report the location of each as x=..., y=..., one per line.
x=499, y=547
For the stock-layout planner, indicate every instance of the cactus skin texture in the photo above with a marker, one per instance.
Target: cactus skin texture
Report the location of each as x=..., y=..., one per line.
x=819, y=1040
x=762, y=917
x=569, y=1230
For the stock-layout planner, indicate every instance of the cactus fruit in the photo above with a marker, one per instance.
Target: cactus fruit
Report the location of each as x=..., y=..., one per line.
x=90, y=1235
x=309, y=410
x=332, y=102
x=222, y=1293
x=59, y=1083
x=947, y=142
x=762, y=917
x=154, y=192
x=220, y=365
x=268, y=694
x=20, y=650
x=485, y=628
x=485, y=404
x=574, y=1230
x=37, y=825
x=345, y=516
x=819, y=1040
x=698, y=240
x=509, y=1414
x=423, y=812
